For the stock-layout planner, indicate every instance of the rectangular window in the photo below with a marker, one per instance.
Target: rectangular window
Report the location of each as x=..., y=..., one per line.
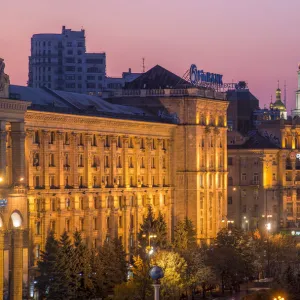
x=244, y=176
x=255, y=178
x=95, y=224
x=229, y=200
x=230, y=161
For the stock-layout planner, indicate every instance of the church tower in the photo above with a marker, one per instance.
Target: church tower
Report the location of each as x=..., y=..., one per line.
x=278, y=104
x=296, y=111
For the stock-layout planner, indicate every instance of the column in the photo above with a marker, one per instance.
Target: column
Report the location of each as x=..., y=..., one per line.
x=45, y=160
x=113, y=161
x=126, y=226
x=18, y=152
x=61, y=183
x=17, y=265
x=101, y=159
x=88, y=161
x=148, y=161
x=137, y=151
x=29, y=158
x=114, y=218
x=125, y=160
x=75, y=160
x=1, y=263
x=159, y=160
x=102, y=232
x=3, y=151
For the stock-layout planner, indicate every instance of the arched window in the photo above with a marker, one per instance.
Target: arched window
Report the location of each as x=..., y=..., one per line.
x=16, y=219
x=230, y=181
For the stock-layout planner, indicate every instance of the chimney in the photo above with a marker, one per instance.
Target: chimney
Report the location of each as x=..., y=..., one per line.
x=129, y=70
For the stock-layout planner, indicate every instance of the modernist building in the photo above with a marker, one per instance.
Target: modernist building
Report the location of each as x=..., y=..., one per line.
x=60, y=62
x=71, y=161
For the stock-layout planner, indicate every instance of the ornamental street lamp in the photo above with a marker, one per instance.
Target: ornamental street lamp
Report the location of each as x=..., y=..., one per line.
x=156, y=273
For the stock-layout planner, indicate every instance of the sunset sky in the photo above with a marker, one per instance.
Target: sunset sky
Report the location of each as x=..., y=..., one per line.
x=253, y=40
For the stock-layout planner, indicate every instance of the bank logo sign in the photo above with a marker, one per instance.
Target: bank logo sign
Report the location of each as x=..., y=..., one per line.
x=199, y=77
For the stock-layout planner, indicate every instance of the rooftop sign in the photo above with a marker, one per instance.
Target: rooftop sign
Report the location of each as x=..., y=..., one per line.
x=199, y=76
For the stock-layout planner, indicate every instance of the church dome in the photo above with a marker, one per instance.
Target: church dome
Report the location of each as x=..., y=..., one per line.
x=279, y=105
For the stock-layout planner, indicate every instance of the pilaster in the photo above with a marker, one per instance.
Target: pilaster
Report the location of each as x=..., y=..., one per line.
x=125, y=160
x=45, y=160
x=17, y=264
x=18, y=152
x=1, y=263
x=3, y=151
x=60, y=160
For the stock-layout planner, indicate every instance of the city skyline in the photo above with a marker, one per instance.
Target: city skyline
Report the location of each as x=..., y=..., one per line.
x=254, y=37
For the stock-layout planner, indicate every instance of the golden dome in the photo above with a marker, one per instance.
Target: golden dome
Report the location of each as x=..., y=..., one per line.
x=279, y=105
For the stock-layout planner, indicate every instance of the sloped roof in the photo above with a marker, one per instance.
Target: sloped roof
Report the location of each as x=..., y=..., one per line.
x=44, y=99
x=157, y=78
x=255, y=141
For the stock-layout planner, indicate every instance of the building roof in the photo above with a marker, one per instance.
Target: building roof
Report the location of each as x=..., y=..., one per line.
x=255, y=141
x=158, y=78
x=44, y=99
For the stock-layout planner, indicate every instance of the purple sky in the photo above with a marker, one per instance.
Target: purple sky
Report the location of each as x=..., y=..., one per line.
x=253, y=40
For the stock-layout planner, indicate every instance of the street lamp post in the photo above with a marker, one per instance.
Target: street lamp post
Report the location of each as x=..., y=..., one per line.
x=156, y=273
x=268, y=227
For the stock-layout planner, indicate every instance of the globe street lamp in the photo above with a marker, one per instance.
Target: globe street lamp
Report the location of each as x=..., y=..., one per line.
x=156, y=273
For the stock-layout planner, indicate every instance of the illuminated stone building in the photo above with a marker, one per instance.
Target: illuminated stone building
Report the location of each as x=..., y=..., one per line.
x=71, y=161
x=264, y=176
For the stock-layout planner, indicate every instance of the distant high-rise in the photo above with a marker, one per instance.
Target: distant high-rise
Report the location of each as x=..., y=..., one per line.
x=60, y=62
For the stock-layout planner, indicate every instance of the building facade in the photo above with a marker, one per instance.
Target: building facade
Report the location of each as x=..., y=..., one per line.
x=264, y=177
x=60, y=62
x=71, y=161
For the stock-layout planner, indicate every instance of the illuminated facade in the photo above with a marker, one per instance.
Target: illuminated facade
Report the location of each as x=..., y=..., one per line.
x=72, y=162
x=264, y=177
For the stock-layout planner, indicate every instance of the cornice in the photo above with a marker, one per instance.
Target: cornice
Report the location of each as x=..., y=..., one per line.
x=71, y=122
x=14, y=105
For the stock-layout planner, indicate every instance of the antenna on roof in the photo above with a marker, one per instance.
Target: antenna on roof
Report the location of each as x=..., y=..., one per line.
x=143, y=65
x=284, y=95
x=278, y=84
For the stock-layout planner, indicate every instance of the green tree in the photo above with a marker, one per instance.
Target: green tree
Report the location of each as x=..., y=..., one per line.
x=64, y=281
x=46, y=265
x=160, y=226
x=198, y=272
x=184, y=235
x=153, y=232
x=232, y=257
x=82, y=268
x=141, y=280
x=112, y=263
x=174, y=267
